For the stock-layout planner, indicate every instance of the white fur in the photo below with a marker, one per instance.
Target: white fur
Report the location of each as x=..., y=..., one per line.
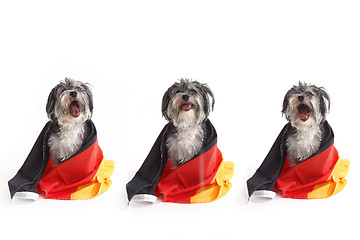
x=184, y=144
x=66, y=142
x=184, y=119
x=303, y=143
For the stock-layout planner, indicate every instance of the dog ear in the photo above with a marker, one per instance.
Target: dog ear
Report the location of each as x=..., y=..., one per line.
x=50, y=105
x=286, y=100
x=89, y=94
x=211, y=103
x=324, y=108
x=165, y=102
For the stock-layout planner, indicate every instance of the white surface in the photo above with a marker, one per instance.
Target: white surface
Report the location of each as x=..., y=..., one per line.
x=249, y=52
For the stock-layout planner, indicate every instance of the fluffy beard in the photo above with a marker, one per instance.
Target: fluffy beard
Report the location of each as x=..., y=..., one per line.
x=184, y=144
x=302, y=143
x=65, y=142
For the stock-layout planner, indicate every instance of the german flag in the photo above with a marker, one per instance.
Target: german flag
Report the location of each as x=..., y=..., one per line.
x=320, y=176
x=204, y=178
x=83, y=176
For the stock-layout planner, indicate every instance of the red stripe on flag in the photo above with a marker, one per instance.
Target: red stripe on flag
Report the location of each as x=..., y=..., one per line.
x=61, y=181
x=180, y=184
x=299, y=180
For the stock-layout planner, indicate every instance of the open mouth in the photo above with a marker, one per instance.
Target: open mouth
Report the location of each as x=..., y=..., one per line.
x=74, y=109
x=304, y=112
x=186, y=107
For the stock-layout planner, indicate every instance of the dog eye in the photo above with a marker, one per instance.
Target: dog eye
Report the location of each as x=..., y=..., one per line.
x=310, y=93
x=193, y=91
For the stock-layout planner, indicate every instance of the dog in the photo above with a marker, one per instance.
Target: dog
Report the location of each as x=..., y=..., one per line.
x=305, y=106
x=186, y=105
x=69, y=106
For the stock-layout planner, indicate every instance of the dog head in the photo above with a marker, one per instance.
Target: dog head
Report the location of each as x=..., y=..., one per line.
x=187, y=103
x=306, y=105
x=70, y=102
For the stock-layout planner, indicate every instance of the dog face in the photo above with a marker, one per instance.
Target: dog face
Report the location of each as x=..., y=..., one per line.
x=70, y=102
x=187, y=103
x=306, y=105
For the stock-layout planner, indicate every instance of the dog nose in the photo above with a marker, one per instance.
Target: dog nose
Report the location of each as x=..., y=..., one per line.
x=301, y=98
x=73, y=94
x=185, y=97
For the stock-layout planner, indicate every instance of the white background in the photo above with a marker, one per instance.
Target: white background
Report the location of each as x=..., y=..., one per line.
x=249, y=52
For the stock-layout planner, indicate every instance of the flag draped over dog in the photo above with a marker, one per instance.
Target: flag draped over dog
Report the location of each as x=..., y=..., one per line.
x=321, y=175
x=83, y=176
x=204, y=178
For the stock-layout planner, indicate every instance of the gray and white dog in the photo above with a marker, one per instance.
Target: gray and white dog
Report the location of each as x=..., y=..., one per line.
x=305, y=106
x=69, y=106
x=186, y=105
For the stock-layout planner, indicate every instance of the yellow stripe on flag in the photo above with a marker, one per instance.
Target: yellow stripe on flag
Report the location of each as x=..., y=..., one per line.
x=334, y=184
x=99, y=184
x=219, y=187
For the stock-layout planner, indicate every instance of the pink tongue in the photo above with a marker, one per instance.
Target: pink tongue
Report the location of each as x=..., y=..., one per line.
x=74, y=110
x=304, y=113
x=303, y=116
x=186, y=107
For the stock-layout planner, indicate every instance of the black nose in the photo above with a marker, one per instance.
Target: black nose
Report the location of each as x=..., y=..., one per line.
x=301, y=98
x=185, y=97
x=73, y=94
